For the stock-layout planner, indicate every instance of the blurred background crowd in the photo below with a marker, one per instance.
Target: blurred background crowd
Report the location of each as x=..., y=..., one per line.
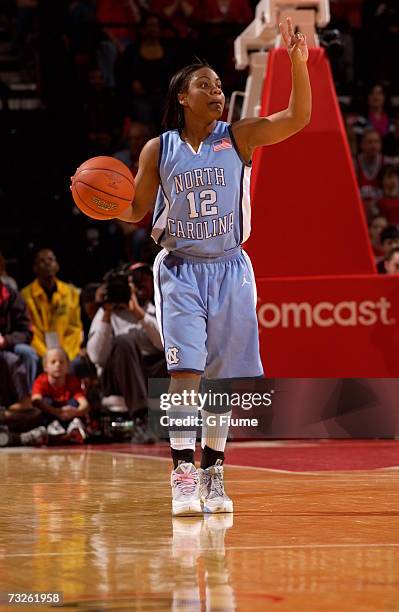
x=80, y=78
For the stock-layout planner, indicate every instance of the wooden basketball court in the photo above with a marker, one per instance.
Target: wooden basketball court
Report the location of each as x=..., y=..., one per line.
x=96, y=525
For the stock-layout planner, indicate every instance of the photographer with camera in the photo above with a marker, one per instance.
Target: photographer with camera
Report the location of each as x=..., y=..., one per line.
x=124, y=341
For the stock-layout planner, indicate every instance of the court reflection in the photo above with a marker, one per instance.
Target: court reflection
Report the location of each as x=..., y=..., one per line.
x=199, y=555
x=98, y=528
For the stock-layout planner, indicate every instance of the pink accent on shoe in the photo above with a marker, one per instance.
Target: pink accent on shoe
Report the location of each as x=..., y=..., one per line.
x=185, y=482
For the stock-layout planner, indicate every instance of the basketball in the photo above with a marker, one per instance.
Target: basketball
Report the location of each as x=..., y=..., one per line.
x=103, y=187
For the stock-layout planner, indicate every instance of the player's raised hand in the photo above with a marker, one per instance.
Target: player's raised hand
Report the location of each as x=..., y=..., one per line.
x=295, y=43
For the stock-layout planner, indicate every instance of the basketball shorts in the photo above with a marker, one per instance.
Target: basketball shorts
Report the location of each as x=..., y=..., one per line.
x=206, y=310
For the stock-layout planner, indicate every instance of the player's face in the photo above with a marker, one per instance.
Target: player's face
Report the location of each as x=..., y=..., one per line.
x=204, y=97
x=56, y=364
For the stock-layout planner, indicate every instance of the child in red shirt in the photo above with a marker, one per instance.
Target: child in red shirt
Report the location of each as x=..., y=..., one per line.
x=60, y=397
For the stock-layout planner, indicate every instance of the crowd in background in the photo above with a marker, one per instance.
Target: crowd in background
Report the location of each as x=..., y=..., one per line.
x=101, y=69
x=75, y=365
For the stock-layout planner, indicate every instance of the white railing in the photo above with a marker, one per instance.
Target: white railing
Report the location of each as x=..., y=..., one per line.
x=262, y=34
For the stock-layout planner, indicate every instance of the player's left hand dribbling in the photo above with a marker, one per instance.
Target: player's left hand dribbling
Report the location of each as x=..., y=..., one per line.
x=295, y=43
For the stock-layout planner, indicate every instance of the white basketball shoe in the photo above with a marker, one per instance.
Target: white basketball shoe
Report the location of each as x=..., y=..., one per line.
x=185, y=485
x=213, y=496
x=55, y=428
x=76, y=431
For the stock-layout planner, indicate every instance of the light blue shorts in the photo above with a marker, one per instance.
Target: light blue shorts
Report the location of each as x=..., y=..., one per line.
x=206, y=310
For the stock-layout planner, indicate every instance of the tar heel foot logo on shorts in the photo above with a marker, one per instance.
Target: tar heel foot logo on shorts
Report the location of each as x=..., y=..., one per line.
x=172, y=356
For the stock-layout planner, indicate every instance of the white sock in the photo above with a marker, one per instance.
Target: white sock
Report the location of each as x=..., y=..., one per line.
x=186, y=436
x=215, y=428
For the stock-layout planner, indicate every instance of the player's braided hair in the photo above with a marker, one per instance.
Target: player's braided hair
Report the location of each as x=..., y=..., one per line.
x=174, y=114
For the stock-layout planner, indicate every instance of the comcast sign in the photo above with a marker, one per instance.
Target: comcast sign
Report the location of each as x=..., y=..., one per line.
x=325, y=314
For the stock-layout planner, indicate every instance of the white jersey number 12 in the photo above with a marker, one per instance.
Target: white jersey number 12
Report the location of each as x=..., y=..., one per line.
x=207, y=201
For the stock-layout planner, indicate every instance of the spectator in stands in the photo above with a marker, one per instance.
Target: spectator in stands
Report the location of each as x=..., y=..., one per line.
x=81, y=366
x=124, y=340
x=60, y=397
x=81, y=30
x=54, y=308
x=374, y=115
x=391, y=262
x=221, y=20
x=134, y=234
x=389, y=239
x=369, y=163
x=119, y=21
x=20, y=423
x=4, y=277
x=101, y=115
x=380, y=29
x=89, y=303
x=391, y=140
x=16, y=331
x=376, y=225
x=351, y=133
x=97, y=248
x=377, y=117
x=144, y=72
x=176, y=12
x=389, y=203
x=341, y=49
x=224, y=11
x=137, y=135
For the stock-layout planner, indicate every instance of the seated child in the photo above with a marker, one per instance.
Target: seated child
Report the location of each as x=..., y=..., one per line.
x=61, y=399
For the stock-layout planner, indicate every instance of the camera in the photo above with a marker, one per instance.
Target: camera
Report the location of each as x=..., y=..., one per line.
x=116, y=287
x=118, y=284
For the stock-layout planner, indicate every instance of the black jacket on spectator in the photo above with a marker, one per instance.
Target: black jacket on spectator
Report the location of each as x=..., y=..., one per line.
x=381, y=267
x=15, y=324
x=14, y=385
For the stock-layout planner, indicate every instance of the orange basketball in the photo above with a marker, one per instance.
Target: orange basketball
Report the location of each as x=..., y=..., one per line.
x=103, y=187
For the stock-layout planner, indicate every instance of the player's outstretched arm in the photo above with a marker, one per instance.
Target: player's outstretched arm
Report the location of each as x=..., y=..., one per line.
x=146, y=181
x=257, y=131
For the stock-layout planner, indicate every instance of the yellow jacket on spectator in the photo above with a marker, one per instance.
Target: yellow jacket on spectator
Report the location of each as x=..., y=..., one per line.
x=60, y=316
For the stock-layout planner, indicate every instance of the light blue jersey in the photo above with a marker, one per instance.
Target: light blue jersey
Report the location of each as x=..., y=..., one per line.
x=205, y=292
x=203, y=206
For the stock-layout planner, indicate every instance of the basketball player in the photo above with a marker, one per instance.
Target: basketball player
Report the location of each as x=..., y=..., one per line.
x=198, y=173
